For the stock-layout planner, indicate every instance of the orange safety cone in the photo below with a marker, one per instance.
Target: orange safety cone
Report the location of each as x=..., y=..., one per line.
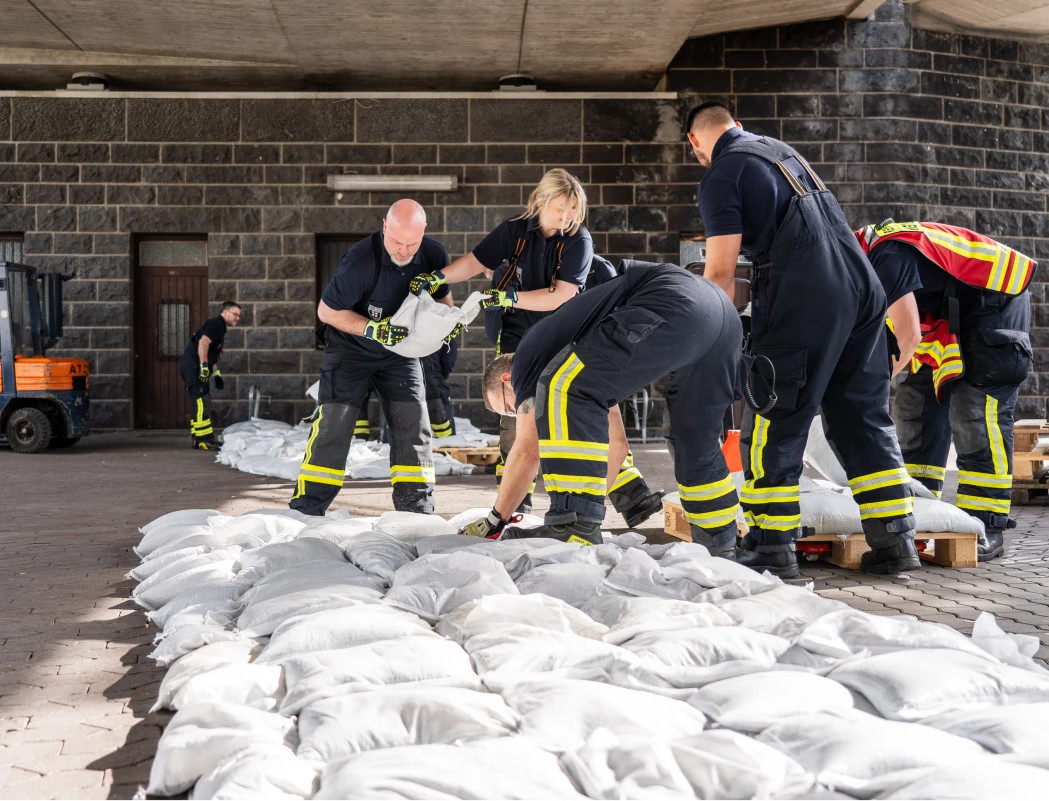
x=730, y=450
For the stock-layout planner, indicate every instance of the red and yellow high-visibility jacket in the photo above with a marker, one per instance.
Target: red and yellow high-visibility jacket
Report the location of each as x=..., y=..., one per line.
x=969, y=257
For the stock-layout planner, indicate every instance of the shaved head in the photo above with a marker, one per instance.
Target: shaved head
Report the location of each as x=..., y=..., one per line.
x=705, y=125
x=403, y=230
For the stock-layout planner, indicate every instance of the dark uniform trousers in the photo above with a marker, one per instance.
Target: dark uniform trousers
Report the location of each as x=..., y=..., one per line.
x=674, y=323
x=345, y=378
x=818, y=315
x=200, y=427
x=977, y=410
x=439, y=412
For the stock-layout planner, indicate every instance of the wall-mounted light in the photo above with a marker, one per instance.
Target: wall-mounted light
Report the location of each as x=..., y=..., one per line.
x=393, y=183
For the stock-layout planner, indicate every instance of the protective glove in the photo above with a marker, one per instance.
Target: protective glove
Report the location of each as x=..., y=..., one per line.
x=455, y=332
x=498, y=297
x=205, y=373
x=489, y=527
x=220, y=382
x=384, y=333
x=431, y=282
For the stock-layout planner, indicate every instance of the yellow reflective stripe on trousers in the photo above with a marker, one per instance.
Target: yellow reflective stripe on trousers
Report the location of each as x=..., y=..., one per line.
x=314, y=431
x=984, y=504
x=994, y=437
x=587, y=485
x=757, y=447
x=984, y=480
x=773, y=522
x=926, y=471
x=752, y=494
x=557, y=410
x=716, y=519
x=886, y=478
x=706, y=492
x=573, y=449
x=412, y=474
x=624, y=478
x=306, y=475
x=894, y=508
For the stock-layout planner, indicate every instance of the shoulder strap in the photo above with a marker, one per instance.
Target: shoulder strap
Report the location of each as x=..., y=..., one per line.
x=511, y=272
x=776, y=152
x=377, y=258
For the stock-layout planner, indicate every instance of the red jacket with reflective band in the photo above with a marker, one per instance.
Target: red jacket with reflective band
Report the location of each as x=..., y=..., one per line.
x=971, y=258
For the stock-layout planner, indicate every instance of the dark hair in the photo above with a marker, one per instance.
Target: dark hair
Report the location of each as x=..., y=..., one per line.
x=229, y=304
x=713, y=111
x=492, y=380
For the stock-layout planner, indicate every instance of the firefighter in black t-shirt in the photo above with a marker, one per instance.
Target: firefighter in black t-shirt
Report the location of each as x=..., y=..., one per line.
x=198, y=365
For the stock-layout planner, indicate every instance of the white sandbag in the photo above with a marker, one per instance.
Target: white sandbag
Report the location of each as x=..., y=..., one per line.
x=154, y=594
x=756, y=701
x=163, y=567
x=149, y=566
x=339, y=532
x=688, y=574
x=918, y=684
x=477, y=512
x=1017, y=650
x=379, y=553
x=207, y=614
x=498, y=612
x=420, y=658
x=560, y=714
x=254, y=685
x=1021, y=730
x=710, y=765
x=847, y=631
x=255, y=565
x=628, y=616
x=174, y=537
x=507, y=767
x=974, y=779
x=201, y=737
x=396, y=716
x=571, y=583
x=437, y=584
x=783, y=610
x=262, y=770
x=309, y=576
x=209, y=657
x=261, y=618
x=345, y=627
x=411, y=526
x=845, y=749
x=187, y=639
x=711, y=645
x=507, y=552
x=182, y=517
x=217, y=594
x=253, y=530
x=429, y=322
x=557, y=553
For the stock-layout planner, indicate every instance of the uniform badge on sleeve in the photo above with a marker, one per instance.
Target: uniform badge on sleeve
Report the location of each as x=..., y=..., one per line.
x=375, y=312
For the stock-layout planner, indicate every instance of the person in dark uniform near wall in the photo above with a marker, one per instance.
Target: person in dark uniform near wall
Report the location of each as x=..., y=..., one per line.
x=818, y=321
x=369, y=286
x=198, y=365
x=572, y=369
x=959, y=305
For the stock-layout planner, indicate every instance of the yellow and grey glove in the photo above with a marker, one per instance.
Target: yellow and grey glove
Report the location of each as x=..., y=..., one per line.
x=455, y=332
x=205, y=373
x=498, y=297
x=384, y=333
x=489, y=527
x=220, y=382
x=431, y=282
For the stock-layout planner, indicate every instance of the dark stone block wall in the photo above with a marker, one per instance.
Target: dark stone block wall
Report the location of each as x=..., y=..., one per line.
x=904, y=123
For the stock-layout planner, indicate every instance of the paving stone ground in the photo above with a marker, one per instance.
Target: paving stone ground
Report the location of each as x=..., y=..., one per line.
x=75, y=682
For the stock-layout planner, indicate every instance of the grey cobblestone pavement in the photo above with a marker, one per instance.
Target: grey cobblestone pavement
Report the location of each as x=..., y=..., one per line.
x=75, y=682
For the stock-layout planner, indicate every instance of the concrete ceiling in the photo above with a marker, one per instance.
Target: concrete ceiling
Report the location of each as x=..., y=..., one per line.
x=345, y=45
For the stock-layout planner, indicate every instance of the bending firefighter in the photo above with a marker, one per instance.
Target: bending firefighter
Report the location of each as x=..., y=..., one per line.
x=198, y=365
x=369, y=286
x=960, y=309
x=572, y=369
x=539, y=261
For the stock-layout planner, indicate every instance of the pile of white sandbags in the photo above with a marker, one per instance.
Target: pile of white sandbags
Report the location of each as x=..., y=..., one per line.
x=388, y=657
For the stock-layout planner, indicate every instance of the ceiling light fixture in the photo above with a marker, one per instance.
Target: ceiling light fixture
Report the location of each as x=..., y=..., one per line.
x=393, y=183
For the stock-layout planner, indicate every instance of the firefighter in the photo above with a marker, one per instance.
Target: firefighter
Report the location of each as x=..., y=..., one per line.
x=569, y=373
x=370, y=285
x=438, y=398
x=960, y=308
x=817, y=335
x=198, y=365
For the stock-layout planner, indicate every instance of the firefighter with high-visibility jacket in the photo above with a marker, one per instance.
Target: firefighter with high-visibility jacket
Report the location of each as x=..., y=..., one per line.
x=960, y=309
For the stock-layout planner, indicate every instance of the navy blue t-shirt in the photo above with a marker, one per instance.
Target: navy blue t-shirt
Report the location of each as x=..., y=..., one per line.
x=215, y=330
x=355, y=274
x=745, y=194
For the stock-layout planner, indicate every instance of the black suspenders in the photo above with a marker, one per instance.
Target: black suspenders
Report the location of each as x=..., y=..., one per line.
x=511, y=272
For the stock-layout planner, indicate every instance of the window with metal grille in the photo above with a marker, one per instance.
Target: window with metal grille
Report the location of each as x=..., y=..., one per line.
x=11, y=248
x=172, y=328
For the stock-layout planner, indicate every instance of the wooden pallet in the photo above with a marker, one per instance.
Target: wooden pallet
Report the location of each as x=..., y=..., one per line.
x=479, y=456
x=950, y=549
x=1026, y=461
x=1026, y=489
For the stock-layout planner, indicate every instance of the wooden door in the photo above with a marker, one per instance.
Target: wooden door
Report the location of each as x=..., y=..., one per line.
x=171, y=303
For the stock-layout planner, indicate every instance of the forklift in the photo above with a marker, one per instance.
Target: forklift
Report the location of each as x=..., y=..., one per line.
x=43, y=400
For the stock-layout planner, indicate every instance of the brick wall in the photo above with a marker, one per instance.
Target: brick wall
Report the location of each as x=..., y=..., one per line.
x=81, y=177
x=903, y=123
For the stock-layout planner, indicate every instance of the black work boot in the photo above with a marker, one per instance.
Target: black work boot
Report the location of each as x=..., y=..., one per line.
x=990, y=545
x=525, y=507
x=780, y=560
x=566, y=527
x=645, y=506
x=722, y=543
x=897, y=557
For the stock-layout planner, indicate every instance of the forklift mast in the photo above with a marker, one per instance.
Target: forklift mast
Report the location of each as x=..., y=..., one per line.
x=30, y=314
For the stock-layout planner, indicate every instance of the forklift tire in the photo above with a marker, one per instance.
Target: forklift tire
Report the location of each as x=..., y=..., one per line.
x=63, y=442
x=28, y=431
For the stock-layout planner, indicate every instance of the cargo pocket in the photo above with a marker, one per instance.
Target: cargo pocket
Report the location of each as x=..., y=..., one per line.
x=618, y=337
x=997, y=356
x=788, y=362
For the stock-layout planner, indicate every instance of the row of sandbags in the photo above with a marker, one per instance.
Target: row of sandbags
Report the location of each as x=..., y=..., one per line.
x=390, y=657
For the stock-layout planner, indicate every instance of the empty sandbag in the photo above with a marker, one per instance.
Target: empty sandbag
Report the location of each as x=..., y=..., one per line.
x=400, y=715
x=437, y=584
x=1017, y=650
x=754, y=702
x=495, y=613
x=918, y=684
x=627, y=616
x=261, y=770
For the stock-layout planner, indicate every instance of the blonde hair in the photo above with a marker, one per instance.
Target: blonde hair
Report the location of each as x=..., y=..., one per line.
x=551, y=186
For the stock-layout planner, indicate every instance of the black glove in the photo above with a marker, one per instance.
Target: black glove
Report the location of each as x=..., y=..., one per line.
x=220, y=382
